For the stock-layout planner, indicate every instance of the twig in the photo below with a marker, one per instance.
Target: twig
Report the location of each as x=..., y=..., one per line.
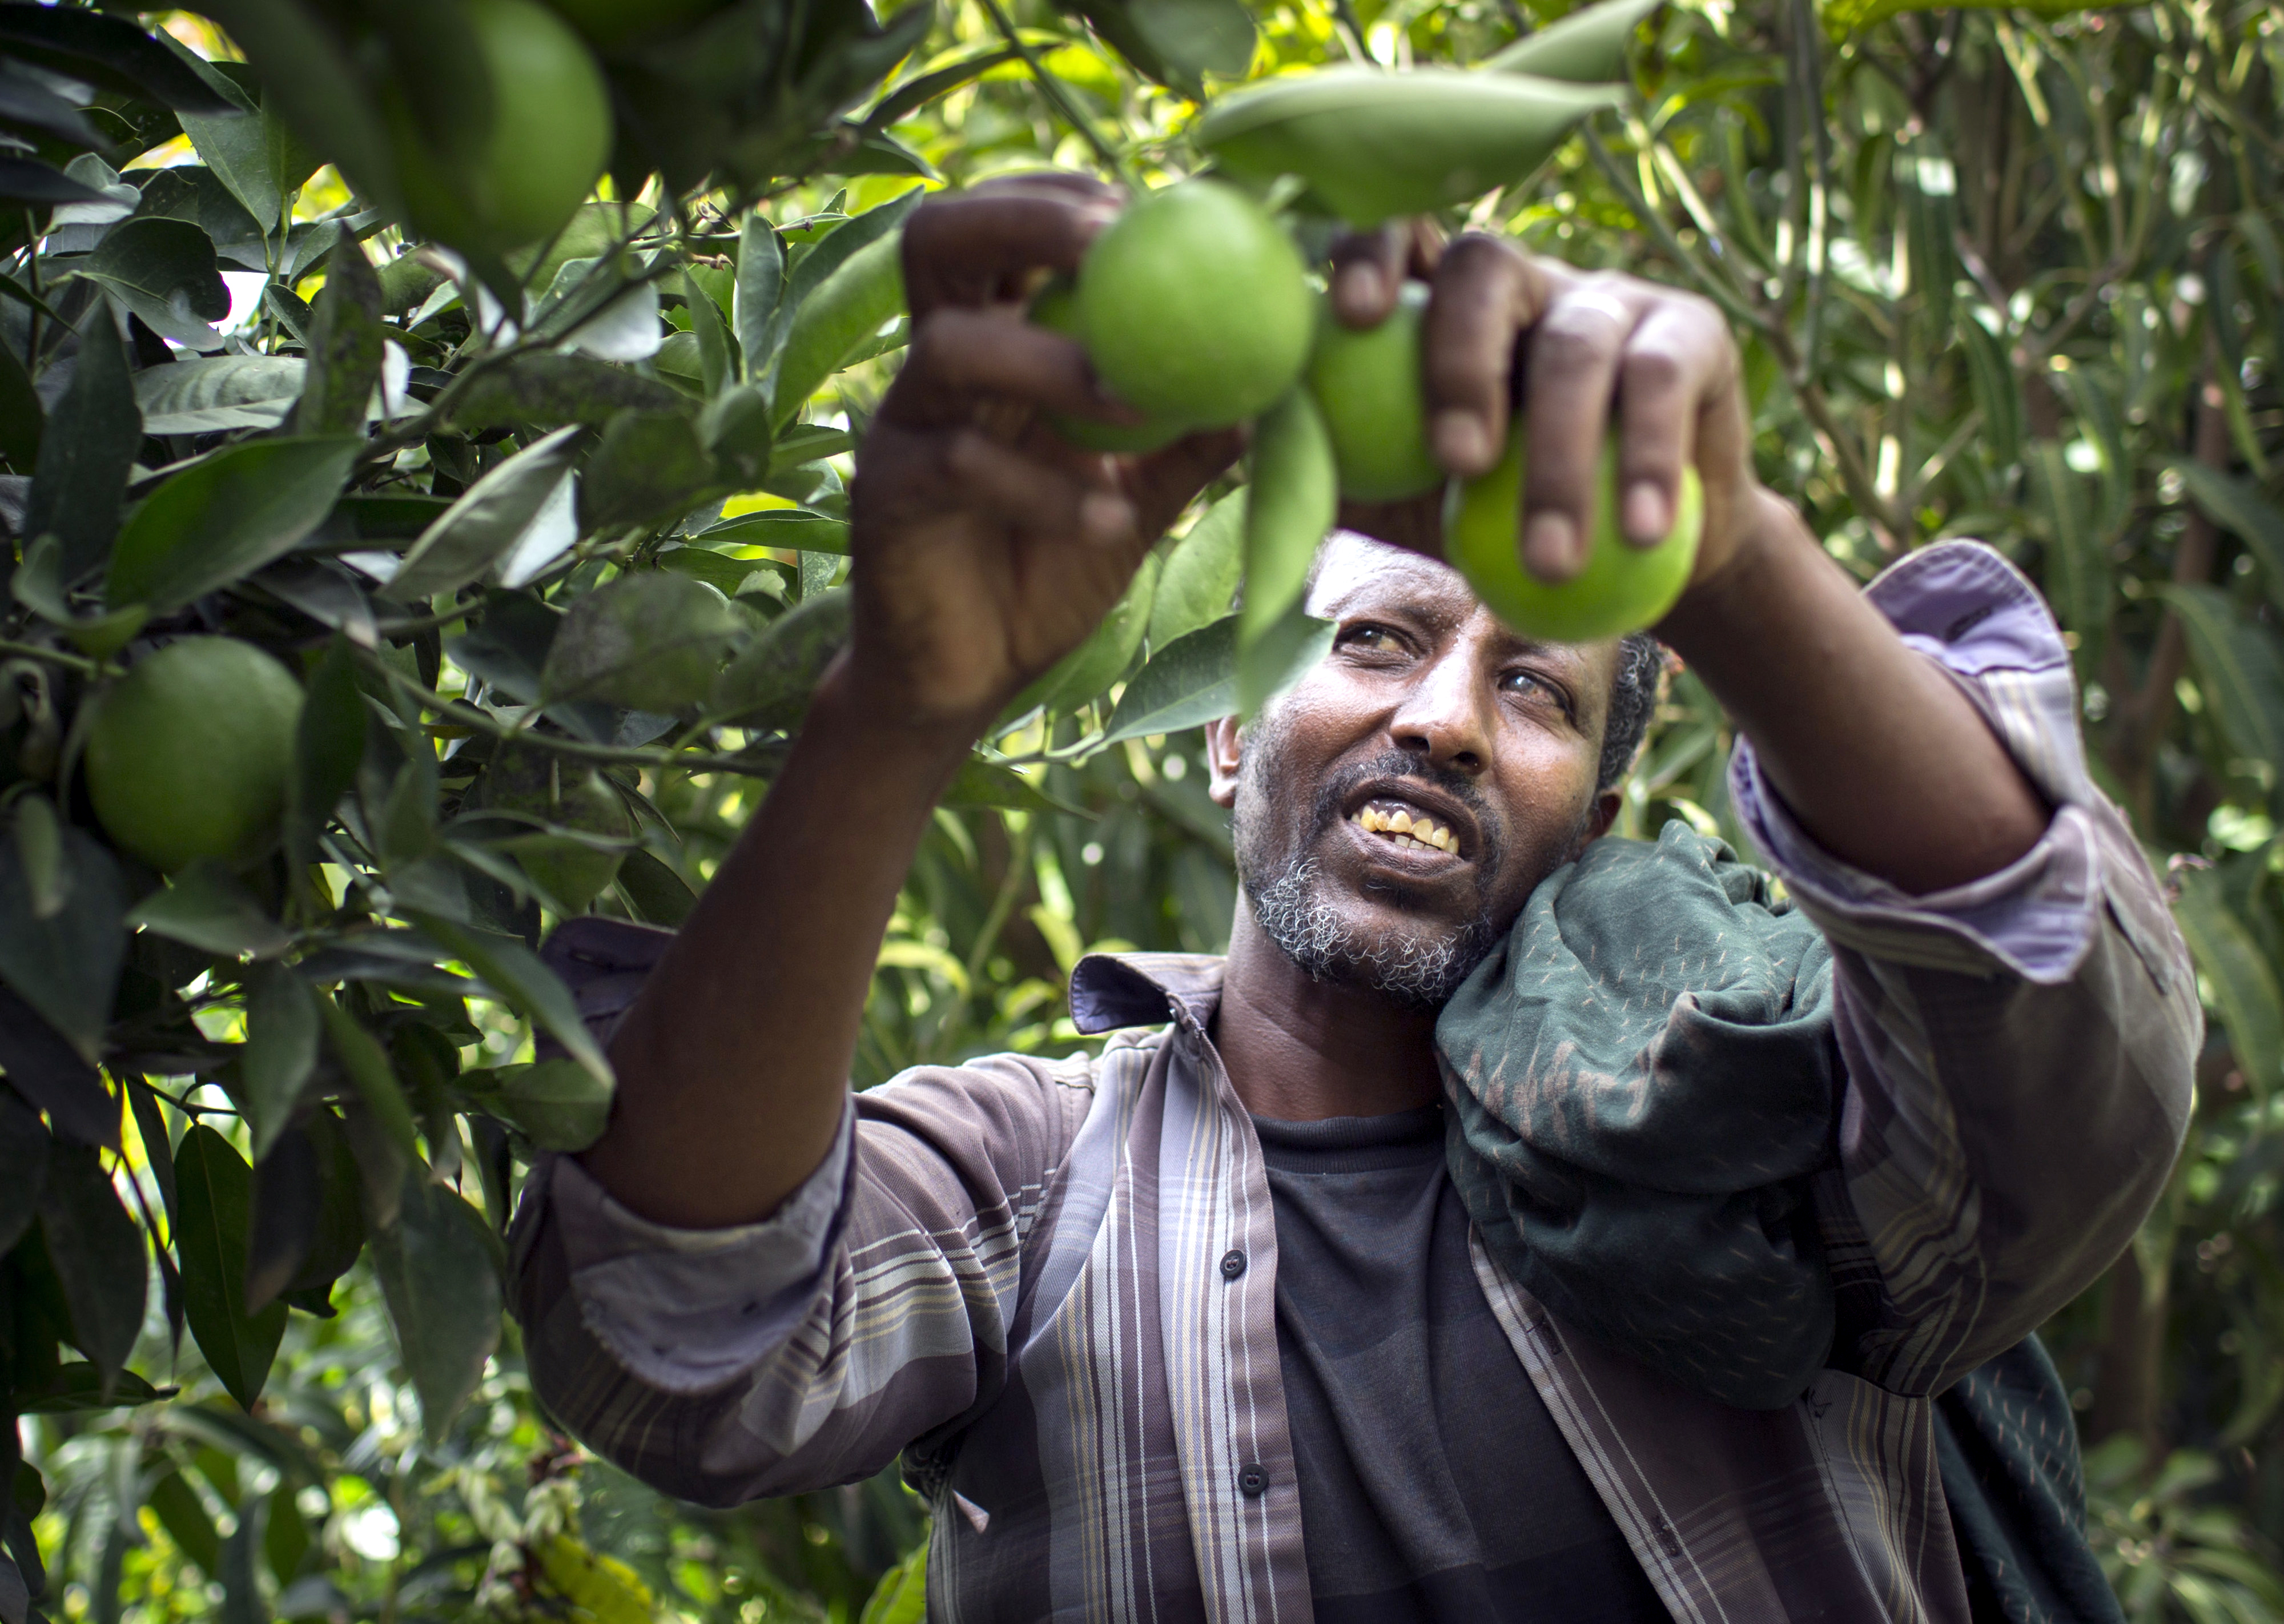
x=483, y=722
x=33, y=651
x=1054, y=90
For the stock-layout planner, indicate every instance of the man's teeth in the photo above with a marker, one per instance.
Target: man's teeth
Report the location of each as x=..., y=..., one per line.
x=1408, y=828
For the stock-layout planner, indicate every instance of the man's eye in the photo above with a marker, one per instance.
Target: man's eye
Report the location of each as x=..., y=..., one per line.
x=1525, y=682
x=1368, y=637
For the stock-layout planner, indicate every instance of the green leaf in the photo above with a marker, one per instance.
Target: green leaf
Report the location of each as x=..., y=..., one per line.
x=89, y=446
x=206, y=907
x=2243, y=670
x=221, y=392
x=23, y=1167
x=769, y=685
x=795, y=529
x=560, y=1103
x=67, y=964
x=521, y=980
x=713, y=336
x=80, y=1386
x=2244, y=984
x=1588, y=46
x=487, y=520
x=328, y=745
x=366, y=1062
x=225, y=517
x=837, y=317
x=900, y=1597
x=980, y=783
x=2237, y=505
x=111, y=52
x=1095, y=664
x=98, y=1256
x=164, y=272
x=659, y=895
x=1281, y=656
x=21, y=419
x=217, y=1216
x=546, y=389
x=1189, y=683
x=443, y=1293
x=1290, y=508
x=257, y=157
x=760, y=284
x=2078, y=578
x=1199, y=583
x=1990, y=375
x=184, y=1516
x=651, y=641
x=242, y=1588
x=281, y=1027
x=347, y=346
x=652, y=467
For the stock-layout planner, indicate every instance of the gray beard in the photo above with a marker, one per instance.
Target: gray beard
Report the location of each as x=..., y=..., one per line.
x=1415, y=972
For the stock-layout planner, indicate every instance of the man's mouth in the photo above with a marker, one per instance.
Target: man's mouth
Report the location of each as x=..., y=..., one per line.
x=1406, y=827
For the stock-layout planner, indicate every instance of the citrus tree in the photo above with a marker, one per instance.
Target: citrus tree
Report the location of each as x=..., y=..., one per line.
x=428, y=483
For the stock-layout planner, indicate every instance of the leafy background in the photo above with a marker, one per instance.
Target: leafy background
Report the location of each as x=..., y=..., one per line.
x=2007, y=274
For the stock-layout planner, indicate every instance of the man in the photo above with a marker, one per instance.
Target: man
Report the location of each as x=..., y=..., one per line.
x=1196, y=1329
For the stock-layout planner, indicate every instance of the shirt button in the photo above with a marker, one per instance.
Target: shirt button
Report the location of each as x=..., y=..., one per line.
x=1253, y=1482
x=1232, y=1264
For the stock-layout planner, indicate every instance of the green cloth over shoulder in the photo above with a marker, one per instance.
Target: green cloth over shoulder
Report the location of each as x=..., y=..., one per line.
x=1643, y=1076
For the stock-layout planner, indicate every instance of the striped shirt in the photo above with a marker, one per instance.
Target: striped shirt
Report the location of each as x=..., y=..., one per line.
x=1011, y=1272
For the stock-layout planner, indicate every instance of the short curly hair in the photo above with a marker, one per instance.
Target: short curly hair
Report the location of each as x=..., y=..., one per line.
x=1634, y=693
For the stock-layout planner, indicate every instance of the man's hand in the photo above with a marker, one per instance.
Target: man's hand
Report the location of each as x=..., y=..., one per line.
x=986, y=547
x=1583, y=345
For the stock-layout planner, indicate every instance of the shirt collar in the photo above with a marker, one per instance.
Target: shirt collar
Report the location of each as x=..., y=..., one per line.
x=1110, y=990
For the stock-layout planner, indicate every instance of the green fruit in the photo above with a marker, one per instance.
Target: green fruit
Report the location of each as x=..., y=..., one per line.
x=1374, y=145
x=611, y=23
x=1623, y=587
x=1368, y=388
x=190, y=751
x=1056, y=308
x=543, y=148
x=1195, y=305
x=569, y=796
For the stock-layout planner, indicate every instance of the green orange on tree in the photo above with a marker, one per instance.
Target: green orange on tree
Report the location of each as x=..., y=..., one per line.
x=543, y=147
x=1195, y=305
x=190, y=751
x=1622, y=589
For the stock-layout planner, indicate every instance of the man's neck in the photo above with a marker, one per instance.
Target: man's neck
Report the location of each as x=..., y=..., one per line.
x=1300, y=1050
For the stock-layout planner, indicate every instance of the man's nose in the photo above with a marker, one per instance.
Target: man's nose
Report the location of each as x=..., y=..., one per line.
x=1441, y=715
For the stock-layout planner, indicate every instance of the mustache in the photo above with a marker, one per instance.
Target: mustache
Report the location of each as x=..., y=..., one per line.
x=1396, y=766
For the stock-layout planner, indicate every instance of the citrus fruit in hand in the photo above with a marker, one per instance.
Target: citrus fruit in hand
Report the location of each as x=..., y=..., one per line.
x=190, y=752
x=1368, y=387
x=611, y=23
x=1193, y=305
x=570, y=796
x=541, y=150
x=1622, y=588
x=1056, y=308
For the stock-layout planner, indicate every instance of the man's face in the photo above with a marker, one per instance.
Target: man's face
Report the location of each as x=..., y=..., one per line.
x=1427, y=712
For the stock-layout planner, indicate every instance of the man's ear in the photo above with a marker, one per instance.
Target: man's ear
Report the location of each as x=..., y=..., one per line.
x=1225, y=747
x=1605, y=813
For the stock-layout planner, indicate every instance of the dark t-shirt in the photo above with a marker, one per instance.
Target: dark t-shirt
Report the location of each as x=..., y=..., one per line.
x=1434, y=1484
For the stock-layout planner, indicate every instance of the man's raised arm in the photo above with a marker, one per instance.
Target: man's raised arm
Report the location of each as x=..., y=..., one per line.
x=985, y=549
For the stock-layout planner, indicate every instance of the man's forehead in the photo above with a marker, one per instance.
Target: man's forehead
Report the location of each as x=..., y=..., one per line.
x=1351, y=567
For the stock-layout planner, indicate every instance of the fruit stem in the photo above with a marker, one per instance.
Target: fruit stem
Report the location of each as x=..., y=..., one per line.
x=75, y=662
x=482, y=720
x=1052, y=88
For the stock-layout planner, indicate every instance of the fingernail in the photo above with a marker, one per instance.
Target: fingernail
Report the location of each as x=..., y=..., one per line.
x=1550, y=547
x=1462, y=443
x=1104, y=519
x=1644, y=519
x=1360, y=292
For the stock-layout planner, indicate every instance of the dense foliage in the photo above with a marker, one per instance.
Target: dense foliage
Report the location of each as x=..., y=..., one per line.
x=550, y=537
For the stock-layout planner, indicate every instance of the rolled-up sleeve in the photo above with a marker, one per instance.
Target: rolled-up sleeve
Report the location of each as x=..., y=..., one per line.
x=2019, y=1049
x=808, y=1350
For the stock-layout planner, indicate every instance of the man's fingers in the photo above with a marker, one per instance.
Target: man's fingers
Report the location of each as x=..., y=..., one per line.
x=988, y=246
x=1677, y=353
x=1485, y=293
x=961, y=357
x=1020, y=491
x=1162, y=482
x=1368, y=275
x=1572, y=367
